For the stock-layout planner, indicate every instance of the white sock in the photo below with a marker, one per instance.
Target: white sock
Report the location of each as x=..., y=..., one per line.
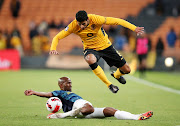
x=64, y=115
x=69, y=113
x=125, y=115
x=98, y=113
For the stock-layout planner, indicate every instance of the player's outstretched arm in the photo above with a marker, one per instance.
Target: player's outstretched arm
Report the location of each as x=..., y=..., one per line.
x=55, y=41
x=124, y=23
x=40, y=94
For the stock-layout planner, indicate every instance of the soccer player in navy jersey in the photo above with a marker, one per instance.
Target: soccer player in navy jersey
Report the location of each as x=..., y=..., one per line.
x=74, y=105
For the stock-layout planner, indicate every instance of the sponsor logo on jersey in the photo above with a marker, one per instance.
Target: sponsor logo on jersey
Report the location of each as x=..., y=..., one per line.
x=66, y=29
x=85, y=52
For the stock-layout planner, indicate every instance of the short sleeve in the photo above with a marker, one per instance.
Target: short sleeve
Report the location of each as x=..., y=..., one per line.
x=55, y=93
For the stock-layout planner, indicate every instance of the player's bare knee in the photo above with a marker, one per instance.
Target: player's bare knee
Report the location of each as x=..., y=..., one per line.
x=128, y=70
x=125, y=69
x=90, y=59
x=87, y=109
x=108, y=111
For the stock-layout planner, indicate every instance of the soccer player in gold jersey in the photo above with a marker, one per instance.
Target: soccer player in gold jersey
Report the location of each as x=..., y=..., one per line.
x=96, y=44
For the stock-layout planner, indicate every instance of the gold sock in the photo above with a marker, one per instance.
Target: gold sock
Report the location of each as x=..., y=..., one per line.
x=117, y=74
x=100, y=73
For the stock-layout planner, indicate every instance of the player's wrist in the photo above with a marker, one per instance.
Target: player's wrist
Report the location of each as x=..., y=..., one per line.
x=135, y=29
x=34, y=93
x=53, y=49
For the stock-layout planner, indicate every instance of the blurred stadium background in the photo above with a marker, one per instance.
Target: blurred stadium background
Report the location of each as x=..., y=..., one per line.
x=26, y=31
x=28, y=26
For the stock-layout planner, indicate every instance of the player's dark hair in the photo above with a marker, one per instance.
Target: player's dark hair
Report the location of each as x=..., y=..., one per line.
x=81, y=16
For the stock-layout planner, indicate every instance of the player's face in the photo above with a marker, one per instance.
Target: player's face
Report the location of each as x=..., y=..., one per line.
x=66, y=85
x=83, y=24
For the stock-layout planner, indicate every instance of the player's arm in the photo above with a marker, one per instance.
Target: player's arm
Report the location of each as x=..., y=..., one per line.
x=64, y=33
x=40, y=94
x=118, y=21
x=56, y=39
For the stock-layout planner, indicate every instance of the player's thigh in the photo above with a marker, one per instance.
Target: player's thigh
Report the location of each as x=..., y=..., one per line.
x=91, y=56
x=142, y=57
x=113, y=57
x=80, y=104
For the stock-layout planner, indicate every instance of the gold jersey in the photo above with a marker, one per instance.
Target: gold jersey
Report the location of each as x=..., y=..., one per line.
x=93, y=36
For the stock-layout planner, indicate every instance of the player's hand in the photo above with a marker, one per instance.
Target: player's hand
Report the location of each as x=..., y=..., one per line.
x=139, y=30
x=28, y=92
x=53, y=52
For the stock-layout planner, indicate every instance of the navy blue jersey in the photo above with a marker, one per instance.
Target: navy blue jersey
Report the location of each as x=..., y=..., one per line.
x=68, y=98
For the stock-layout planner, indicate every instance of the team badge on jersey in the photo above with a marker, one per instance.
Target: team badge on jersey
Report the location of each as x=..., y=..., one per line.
x=93, y=26
x=66, y=29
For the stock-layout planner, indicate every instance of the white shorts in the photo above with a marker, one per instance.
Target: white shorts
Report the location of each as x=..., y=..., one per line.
x=80, y=103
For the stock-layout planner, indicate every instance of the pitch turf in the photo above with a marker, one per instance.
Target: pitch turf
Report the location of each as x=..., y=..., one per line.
x=16, y=109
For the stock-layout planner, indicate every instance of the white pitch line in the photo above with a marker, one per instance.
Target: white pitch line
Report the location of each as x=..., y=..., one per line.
x=155, y=85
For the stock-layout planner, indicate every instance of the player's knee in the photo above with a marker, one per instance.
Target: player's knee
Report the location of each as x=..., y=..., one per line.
x=90, y=59
x=128, y=70
x=87, y=109
x=108, y=111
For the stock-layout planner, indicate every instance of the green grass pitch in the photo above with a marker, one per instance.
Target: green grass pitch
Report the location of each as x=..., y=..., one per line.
x=16, y=109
